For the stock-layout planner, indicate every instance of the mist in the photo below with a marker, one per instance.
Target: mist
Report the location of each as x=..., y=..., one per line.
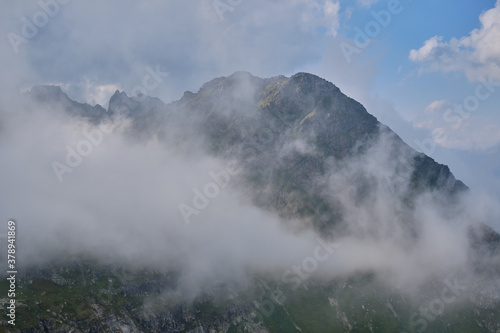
x=122, y=204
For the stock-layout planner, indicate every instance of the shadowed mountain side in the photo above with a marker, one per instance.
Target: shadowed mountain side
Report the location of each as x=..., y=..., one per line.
x=286, y=133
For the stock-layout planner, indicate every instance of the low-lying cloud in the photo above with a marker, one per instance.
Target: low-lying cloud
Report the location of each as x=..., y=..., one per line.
x=121, y=204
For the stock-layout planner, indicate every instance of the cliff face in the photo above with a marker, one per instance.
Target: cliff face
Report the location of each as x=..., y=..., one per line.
x=288, y=133
x=54, y=97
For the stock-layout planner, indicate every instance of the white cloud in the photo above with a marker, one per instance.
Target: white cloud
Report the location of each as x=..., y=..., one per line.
x=477, y=55
x=324, y=13
x=366, y=3
x=331, y=14
x=425, y=51
x=122, y=202
x=436, y=105
x=92, y=93
x=187, y=40
x=472, y=136
x=451, y=130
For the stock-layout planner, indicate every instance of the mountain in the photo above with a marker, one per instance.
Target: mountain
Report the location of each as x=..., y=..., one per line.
x=53, y=96
x=307, y=153
x=257, y=122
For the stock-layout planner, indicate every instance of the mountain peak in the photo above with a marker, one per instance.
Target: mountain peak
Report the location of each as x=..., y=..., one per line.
x=46, y=89
x=118, y=94
x=48, y=93
x=242, y=74
x=121, y=102
x=117, y=97
x=54, y=96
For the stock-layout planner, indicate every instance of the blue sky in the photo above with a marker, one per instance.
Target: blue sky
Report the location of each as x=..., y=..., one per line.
x=430, y=56
x=401, y=91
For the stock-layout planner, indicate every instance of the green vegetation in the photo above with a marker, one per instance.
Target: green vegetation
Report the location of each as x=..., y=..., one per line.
x=97, y=296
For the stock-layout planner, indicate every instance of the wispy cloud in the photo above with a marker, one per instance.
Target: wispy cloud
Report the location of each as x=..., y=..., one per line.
x=476, y=55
